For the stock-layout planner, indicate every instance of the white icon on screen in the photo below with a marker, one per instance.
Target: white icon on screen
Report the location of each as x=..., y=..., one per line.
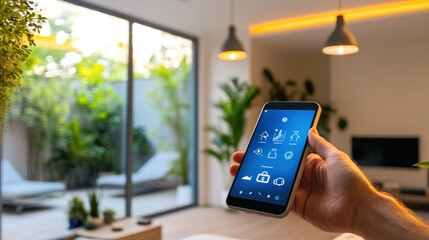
x=288, y=155
x=295, y=136
x=277, y=197
x=263, y=137
x=279, y=136
x=284, y=119
x=273, y=153
x=279, y=181
x=263, y=177
x=248, y=178
x=258, y=151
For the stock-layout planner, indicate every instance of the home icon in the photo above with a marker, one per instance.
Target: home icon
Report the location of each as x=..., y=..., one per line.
x=263, y=137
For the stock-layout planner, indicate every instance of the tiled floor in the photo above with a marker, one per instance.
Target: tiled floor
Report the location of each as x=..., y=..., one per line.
x=49, y=219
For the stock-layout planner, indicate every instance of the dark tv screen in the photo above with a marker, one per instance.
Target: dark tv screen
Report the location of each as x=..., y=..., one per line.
x=386, y=151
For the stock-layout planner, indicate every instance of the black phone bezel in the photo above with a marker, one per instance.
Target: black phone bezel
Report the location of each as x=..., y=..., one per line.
x=264, y=207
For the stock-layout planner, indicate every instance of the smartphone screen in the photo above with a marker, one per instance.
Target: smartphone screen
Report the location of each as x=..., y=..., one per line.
x=270, y=169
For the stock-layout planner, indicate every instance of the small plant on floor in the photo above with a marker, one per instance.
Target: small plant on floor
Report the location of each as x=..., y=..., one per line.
x=77, y=213
x=109, y=215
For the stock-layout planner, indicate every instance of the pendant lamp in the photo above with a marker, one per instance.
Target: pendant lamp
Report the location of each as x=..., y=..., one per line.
x=341, y=41
x=232, y=49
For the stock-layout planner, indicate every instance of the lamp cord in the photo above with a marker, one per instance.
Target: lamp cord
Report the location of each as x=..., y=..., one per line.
x=232, y=12
x=339, y=6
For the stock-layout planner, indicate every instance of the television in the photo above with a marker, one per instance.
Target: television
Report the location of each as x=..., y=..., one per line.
x=396, y=152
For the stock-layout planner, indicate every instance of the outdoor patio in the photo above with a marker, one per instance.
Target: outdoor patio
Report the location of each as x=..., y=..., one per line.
x=48, y=219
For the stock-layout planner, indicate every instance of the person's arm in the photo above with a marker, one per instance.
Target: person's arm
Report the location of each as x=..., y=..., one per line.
x=381, y=216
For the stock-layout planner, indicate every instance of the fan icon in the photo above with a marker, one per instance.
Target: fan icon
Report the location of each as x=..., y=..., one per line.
x=288, y=155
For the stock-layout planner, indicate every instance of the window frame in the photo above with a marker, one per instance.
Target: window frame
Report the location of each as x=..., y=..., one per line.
x=130, y=89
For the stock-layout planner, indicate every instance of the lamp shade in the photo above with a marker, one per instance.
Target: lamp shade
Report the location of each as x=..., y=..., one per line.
x=341, y=41
x=232, y=49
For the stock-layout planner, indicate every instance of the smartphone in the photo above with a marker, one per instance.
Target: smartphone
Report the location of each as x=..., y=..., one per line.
x=272, y=165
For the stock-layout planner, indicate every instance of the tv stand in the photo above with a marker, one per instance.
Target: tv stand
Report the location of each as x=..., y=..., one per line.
x=417, y=200
x=407, y=191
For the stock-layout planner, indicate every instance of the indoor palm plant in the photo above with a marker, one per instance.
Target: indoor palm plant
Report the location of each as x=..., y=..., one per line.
x=228, y=134
x=19, y=21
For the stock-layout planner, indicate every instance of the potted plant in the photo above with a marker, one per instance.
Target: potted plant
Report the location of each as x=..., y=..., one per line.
x=291, y=91
x=89, y=224
x=233, y=118
x=77, y=213
x=19, y=21
x=109, y=215
x=94, y=207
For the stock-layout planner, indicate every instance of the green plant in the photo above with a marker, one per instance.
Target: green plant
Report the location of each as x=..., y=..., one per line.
x=89, y=224
x=109, y=215
x=170, y=98
x=233, y=116
x=290, y=91
x=77, y=212
x=94, y=203
x=422, y=165
x=19, y=21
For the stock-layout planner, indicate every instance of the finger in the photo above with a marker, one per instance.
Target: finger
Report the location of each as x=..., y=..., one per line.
x=320, y=145
x=233, y=169
x=238, y=156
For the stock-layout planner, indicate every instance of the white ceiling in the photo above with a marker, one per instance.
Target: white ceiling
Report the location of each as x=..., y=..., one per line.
x=209, y=17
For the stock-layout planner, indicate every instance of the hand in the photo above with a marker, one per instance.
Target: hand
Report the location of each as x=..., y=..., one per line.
x=332, y=187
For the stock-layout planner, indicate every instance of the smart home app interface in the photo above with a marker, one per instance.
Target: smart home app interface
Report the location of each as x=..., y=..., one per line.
x=273, y=156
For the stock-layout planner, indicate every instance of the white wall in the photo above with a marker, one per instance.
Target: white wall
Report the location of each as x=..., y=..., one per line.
x=383, y=90
x=211, y=175
x=286, y=65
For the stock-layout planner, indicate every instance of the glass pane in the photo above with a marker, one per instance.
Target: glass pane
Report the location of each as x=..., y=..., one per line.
x=65, y=127
x=162, y=120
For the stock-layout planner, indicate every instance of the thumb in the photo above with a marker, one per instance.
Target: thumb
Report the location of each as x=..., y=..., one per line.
x=320, y=145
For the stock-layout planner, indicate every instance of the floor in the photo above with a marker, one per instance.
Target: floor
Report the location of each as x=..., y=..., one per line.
x=48, y=220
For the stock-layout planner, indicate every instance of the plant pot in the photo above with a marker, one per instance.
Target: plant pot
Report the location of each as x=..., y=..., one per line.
x=108, y=219
x=97, y=221
x=184, y=194
x=74, y=223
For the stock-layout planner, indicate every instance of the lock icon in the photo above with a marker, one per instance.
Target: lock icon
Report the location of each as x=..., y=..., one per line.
x=263, y=177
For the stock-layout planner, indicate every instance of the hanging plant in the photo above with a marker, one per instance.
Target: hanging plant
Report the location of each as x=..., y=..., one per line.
x=19, y=21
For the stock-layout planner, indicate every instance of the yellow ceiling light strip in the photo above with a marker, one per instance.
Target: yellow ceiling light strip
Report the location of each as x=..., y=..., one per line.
x=329, y=18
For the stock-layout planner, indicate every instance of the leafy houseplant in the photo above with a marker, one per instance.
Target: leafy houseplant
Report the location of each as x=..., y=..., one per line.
x=77, y=213
x=233, y=116
x=19, y=20
x=290, y=91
